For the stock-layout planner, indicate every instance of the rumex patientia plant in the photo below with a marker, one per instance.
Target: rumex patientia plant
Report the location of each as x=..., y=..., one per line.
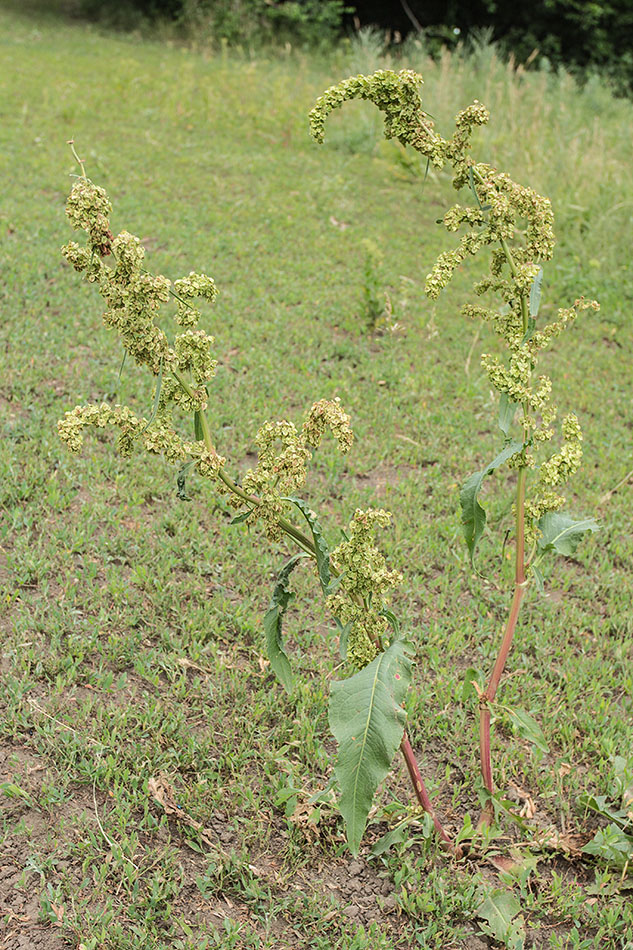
x=515, y=225
x=366, y=711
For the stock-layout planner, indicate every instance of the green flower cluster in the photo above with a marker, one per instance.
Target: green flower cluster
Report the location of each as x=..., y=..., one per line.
x=133, y=300
x=157, y=438
x=283, y=454
x=397, y=96
x=502, y=211
x=183, y=371
x=364, y=588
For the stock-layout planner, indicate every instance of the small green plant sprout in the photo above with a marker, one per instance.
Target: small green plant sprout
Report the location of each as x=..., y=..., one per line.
x=366, y=709
x=378, y=311
x=515, y=225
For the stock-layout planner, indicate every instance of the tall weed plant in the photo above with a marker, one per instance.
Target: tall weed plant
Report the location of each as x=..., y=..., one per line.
x=513, y=226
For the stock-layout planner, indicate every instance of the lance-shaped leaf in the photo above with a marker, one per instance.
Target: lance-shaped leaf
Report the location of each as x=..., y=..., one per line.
x=282, y=595
x=367, y=721
x=561, y=533
x=320, y=544
x=473, y=515
x=527, y=727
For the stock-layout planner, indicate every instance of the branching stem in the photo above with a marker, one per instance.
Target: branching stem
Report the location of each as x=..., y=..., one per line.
x=307, y=545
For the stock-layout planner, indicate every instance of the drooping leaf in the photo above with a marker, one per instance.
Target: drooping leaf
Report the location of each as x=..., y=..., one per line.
x=507, y=409
x=535, y=293
x=499, y=911
x=367, y=720
x=392, y=620
x=282, y=595
x=241, y=518
x=561, y=533
x=320, y=544
x=473, y=515
x=527, y=727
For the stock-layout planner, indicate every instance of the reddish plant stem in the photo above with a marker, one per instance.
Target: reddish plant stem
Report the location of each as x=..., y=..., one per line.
x=489, y=694
x=422, y=795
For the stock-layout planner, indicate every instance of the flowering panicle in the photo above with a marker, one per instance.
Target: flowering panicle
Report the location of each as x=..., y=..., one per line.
x=133, y=299
x=328, y=414
x=283, y=456
x=501, y=211
x=182, y=371
x=365, y=586
x=397, y=96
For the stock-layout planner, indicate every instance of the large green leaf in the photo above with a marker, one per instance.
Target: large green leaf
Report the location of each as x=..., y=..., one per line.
x=473, y=515
x=282, y=595
x=320, y=544
x=499, y=911
x=367, y=721
x=561, y=533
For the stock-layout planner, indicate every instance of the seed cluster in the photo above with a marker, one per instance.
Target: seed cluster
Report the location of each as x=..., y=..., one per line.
x=503, y=211
x=365, y=586
x=182, y=371
x=283, y=454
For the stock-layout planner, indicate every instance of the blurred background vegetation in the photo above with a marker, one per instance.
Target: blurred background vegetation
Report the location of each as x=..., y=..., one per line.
x=582, y=35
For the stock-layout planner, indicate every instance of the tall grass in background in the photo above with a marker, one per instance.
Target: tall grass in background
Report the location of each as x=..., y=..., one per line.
x=571, y=142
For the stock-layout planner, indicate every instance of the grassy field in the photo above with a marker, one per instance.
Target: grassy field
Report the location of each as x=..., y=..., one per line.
x=132, y=645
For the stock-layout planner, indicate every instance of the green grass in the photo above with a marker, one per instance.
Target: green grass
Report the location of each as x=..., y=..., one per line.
x=132, y=644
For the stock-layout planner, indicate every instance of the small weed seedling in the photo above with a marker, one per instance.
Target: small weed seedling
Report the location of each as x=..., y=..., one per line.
x=366, y=712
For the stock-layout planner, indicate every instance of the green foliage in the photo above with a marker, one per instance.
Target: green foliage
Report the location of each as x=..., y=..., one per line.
x=310, y=23
x=367, y=721
x=313, y=23
x=499, y=911
x=282, y=595
x=560, y=533
x=366, y=714
x=112, y=589
x=473, y=515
